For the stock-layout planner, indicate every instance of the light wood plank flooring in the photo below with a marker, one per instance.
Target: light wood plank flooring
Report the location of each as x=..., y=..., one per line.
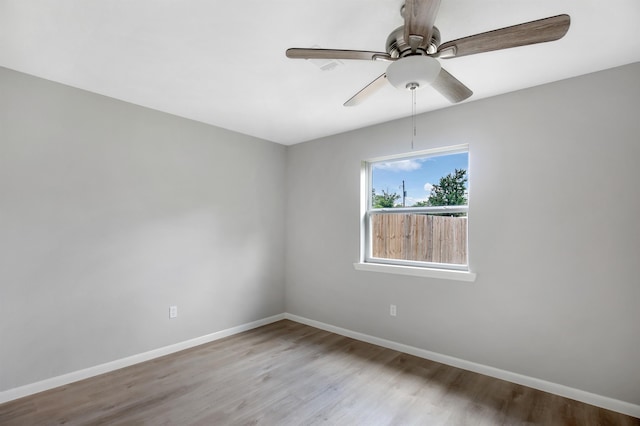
x=292, y=374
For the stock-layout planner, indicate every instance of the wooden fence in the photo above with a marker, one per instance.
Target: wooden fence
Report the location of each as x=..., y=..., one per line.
x=420, y=237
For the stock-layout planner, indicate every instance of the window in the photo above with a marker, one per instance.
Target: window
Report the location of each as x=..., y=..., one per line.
x=415, y=210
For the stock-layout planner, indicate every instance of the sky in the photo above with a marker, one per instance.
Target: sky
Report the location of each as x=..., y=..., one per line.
x=419, y=175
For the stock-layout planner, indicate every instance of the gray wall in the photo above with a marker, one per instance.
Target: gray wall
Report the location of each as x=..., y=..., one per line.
x=109, y=213
x=554, y=235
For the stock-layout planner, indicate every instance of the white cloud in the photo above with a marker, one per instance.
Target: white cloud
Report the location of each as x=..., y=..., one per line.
x=399, y=166
x=428, y=187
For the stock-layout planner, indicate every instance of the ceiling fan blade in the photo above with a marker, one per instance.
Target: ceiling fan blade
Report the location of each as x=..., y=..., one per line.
x=301, y=53
x=540, y=31
x=419, y=17
x=450, y=87
x=367, y=91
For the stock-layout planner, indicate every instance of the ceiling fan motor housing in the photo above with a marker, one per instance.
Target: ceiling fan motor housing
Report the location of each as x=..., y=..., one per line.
x=398, y=47
x=413, y=72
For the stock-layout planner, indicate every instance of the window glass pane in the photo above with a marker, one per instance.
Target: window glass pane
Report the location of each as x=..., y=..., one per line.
x=427, y=181
x=427, y=225
x=420, y=237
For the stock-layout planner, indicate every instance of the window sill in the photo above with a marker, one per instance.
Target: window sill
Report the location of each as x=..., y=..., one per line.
x=414, y=271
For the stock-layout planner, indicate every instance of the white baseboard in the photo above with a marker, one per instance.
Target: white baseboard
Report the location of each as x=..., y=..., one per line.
x=557, y=389
x=86, y=373
x=554, y=388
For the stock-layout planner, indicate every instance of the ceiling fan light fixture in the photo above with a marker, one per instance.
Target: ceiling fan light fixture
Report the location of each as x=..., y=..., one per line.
x=410, y=71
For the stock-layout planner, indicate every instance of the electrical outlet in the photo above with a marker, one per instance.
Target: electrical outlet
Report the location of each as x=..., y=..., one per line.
x=393, y=310
x=173, y=311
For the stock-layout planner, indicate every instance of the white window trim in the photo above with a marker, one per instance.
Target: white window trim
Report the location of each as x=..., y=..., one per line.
x=416, y=271
x=366, y=263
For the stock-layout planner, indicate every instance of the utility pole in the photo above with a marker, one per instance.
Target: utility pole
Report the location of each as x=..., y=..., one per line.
x=404, y=193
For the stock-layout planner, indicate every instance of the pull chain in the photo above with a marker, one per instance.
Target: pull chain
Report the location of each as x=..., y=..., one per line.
x=413, y=114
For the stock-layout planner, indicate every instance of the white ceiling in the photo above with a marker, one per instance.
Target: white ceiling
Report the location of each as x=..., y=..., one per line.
x=223, y=63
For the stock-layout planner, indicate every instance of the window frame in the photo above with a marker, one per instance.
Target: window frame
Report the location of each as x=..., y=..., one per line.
x=400, y=266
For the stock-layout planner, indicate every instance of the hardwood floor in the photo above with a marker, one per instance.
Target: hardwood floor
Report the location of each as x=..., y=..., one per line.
x=292, y=374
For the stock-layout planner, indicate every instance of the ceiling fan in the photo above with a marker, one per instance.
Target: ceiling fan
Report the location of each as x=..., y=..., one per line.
x=413, y=48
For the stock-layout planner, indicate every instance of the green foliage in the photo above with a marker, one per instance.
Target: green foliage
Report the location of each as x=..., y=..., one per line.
x=450, y=191
x=384, y=200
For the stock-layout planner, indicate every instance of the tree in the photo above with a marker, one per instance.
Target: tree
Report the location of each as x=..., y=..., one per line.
x=384, y=200
x=450, y=191
x=421, y=204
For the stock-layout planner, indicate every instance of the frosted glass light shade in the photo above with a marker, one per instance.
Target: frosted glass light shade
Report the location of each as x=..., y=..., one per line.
x=413, y=69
